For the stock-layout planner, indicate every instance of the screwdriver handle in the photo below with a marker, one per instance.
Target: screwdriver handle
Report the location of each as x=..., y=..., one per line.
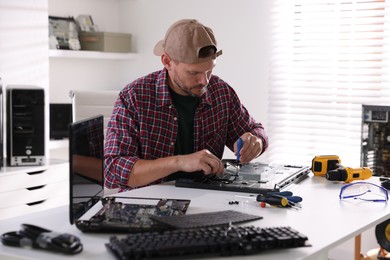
x=294, y=199
x=280, y=193
x=287, y=194
x=240, y=143
x=273, y=200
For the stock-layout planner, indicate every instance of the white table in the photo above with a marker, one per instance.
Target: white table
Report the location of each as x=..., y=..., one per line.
x=325, y=219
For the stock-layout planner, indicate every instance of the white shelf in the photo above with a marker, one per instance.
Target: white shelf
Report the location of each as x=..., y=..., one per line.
x=91, y=55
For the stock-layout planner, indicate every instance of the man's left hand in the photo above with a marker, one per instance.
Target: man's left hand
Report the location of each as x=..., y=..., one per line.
x=251, y=149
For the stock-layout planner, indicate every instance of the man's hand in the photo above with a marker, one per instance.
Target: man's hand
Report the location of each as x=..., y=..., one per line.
x=203, y=161
x=252, y=147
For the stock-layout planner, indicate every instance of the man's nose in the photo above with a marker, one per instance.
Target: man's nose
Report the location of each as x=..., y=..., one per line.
x=204, y=78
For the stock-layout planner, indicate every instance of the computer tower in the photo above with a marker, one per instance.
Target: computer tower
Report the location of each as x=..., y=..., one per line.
x=25, y=126
x=375, y=139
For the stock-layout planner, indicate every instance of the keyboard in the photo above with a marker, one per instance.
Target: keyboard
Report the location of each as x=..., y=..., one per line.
x=207, y=219
x=217, y=240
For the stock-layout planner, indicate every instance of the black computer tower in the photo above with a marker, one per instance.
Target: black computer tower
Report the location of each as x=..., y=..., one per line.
x=375, y=139
x=25, y=126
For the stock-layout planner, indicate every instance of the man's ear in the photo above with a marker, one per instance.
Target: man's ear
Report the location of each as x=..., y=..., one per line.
x=166, y=61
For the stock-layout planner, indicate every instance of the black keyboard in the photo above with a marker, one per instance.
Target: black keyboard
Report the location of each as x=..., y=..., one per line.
x=217, y=240
x=206, y=219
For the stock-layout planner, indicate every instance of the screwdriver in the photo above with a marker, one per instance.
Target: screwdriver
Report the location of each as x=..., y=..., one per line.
x=286, y=194
x=273, y=200
x=279, y=198
x=239, y=146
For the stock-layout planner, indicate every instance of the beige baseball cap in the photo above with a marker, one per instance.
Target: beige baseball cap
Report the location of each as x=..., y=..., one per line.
x=184, y=39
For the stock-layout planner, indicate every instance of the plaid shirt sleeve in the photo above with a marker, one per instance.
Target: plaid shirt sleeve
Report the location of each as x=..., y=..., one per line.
x=144, y=125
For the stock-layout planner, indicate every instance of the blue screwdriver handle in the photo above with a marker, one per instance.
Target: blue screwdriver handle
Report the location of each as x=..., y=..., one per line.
x=294, y=199
x=280, y=193
x=240, y=143
x=285, y=194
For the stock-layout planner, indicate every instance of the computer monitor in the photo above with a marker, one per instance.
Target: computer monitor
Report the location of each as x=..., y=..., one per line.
x=86, y=141
x=60, y=118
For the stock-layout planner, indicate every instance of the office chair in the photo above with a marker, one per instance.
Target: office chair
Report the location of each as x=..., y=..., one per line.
x=86, y=103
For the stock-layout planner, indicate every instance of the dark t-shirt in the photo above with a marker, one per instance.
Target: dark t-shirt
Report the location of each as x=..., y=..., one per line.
x=185, y=106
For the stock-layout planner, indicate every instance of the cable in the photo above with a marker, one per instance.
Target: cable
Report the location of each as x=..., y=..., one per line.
x=31, y=236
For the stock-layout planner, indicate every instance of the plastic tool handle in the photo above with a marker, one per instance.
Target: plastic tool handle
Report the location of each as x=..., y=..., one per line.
x=287, y=194
x=294, y=199
x=273, y=200
x=280, y=193
x=240, y=143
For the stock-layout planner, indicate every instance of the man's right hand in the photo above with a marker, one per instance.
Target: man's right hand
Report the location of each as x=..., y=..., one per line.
x=145, y=172
x=203, y=161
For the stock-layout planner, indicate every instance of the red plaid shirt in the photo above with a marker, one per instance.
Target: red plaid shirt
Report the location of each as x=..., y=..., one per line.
x=144, y=125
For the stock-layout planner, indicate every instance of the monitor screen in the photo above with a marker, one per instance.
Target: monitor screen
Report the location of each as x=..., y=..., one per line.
x=86, y=141
x=60, y=118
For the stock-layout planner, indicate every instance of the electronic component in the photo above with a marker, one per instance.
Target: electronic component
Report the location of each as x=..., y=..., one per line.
x=375, y=139
x=254, y=177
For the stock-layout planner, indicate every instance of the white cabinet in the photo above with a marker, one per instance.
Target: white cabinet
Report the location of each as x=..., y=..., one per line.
x=29, y=189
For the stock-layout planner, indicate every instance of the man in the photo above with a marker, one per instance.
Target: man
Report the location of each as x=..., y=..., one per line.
x=175, y=123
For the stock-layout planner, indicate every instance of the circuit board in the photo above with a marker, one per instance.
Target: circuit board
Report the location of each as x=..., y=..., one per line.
x=122, y=217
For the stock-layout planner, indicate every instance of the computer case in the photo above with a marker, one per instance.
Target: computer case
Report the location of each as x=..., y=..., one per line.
x=25, y=126
x=375, y=139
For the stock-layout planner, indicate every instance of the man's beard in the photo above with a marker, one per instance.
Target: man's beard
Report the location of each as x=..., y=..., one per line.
x=188, y=92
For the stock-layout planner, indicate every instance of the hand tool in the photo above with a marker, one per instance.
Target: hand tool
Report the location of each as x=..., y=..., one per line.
x=321, y=164
x=286, y=194
x=348, y=174
x=282, y=199
x=273, y=200
x=240, y=143
x=330, y=167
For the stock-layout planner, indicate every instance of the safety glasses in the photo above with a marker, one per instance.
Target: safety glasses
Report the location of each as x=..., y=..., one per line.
x=364, y=191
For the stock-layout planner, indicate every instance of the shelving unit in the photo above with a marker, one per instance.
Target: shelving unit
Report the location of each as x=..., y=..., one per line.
x=82, y=69
x=91, y=55
x=27, y=189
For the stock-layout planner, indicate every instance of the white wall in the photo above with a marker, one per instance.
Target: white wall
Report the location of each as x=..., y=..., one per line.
x=242, y=29
x=23, y=47
x=242, y=32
